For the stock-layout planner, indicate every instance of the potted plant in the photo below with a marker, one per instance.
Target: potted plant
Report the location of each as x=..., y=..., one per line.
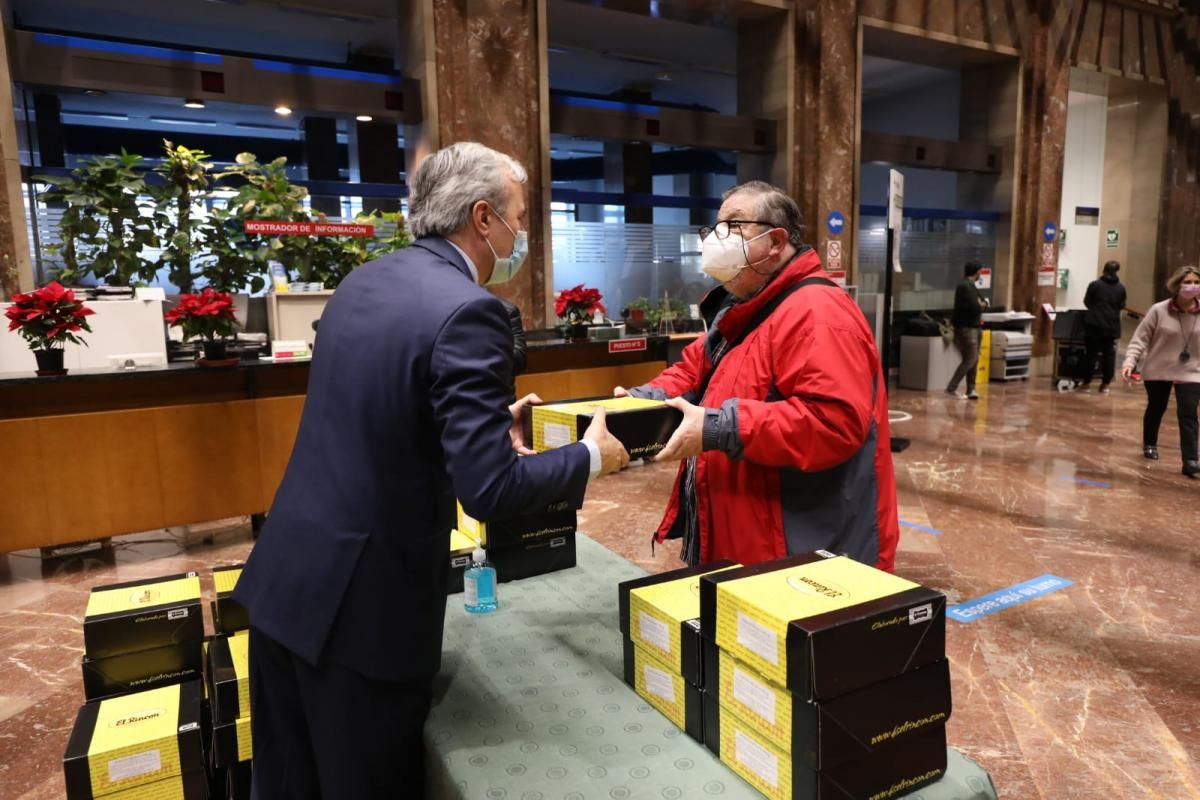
x=208, y=316
x=185, y=173
x=104, y=228
x=48, y=318
x=576, y=307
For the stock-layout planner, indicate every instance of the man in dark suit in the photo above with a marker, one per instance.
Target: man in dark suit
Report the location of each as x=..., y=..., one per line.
x=406, y=410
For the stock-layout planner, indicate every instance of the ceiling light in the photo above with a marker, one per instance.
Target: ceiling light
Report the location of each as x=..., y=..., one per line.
x=204, y=123
x=364, y=118
x=94, y=92
x=283, y=111
x=193, y=102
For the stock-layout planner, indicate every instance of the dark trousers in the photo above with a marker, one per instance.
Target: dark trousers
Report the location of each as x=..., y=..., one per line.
x=1103, y=347
x=327, y=732
x=967, y=342
x=1187, y=398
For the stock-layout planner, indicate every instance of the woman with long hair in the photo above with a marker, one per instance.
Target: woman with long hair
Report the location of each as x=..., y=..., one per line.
x=1167, y=343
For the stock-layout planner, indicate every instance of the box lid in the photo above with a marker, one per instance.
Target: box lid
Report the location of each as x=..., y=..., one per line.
x=135, y=739
x=141, y=596
x=225, y=578
x=625, y=588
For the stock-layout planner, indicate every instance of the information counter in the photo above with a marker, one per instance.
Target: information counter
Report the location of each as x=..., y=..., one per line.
x=98, y=453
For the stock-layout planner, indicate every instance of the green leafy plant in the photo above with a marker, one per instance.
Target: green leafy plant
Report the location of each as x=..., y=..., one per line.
x=237, y=260
x=103, y=227
x=186, y=177
x=336, y=257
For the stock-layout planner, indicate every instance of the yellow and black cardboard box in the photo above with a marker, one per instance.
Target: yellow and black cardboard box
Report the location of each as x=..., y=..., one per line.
x=232, y=742
x=228, y=614
x=661, y=613
x=823, y=625
x=188, y=786
x=140, y=615
x=558, y=519
x=145, y=669
x=824, y=734
x=885, y=775
x=643, y=426
x=229, y=674
x=526, y=560
x=137, y=739
x=665, y=689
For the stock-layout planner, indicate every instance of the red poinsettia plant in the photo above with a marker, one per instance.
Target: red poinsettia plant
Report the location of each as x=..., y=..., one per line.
x=578, y=305
x=49, y=317
x=208, y=315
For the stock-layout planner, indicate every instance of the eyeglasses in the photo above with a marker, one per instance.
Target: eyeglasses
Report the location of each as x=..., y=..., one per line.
x=727, y=226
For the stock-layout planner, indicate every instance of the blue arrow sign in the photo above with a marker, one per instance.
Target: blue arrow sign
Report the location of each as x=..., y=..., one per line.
x=1050, y=231
x=836, y=223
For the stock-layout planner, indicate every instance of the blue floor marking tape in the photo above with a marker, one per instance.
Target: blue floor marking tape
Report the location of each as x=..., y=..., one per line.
x=924, y=528
x=1086, y=482
x=1004, y=598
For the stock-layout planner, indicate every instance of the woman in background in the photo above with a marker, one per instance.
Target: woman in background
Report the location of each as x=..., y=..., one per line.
x=1167, y=343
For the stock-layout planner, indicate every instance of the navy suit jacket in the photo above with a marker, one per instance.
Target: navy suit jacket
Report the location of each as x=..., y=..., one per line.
x=406, y=410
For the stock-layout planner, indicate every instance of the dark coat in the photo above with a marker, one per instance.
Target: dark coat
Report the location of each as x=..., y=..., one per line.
x=1104, y=299
x=406, y=410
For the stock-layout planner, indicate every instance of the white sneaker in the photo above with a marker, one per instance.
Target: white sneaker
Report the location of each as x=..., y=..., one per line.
x=972, y=395
x=955, y=395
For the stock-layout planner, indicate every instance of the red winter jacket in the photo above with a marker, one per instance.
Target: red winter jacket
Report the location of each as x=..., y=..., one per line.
x=797, y=445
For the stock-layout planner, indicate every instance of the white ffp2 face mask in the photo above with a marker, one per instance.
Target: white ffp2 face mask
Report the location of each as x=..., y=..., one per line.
x=723, y=259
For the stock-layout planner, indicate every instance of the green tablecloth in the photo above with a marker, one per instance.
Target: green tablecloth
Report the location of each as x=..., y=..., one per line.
x=531, y=705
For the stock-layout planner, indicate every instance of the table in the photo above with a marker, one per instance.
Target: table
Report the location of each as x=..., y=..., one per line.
x=531, y=705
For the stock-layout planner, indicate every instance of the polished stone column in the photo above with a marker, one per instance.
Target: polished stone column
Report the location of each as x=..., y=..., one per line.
x=819, y=126
x=481, y=76
x=1046, y=76
x=16, y=268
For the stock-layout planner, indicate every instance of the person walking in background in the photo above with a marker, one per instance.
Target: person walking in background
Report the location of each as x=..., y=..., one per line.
x=1167, y=343
x=1105, y=299
x=967, y=321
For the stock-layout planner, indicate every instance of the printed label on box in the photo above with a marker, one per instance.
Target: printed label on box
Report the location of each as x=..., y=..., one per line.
x=659, y=683
x=177, y=613
x=756, y=758
x=753, y=695
x=920, y=614
x=556, y=435
x=654, y=632
x=758, y=639
x=120, y=769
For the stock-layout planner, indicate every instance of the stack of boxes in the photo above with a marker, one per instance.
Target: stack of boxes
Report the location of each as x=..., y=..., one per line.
x=141, y=635
x=825, y=678
x=660, y=624
x=812, y=677
x=518, y=547
x=145, y=732
x=229, y=690
x=229, y=687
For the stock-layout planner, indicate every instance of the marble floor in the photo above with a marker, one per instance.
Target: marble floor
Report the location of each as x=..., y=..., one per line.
x=1092, y=691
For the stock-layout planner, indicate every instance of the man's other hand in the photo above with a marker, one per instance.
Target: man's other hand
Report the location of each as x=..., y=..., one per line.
x=515, y=433
x=613, y=457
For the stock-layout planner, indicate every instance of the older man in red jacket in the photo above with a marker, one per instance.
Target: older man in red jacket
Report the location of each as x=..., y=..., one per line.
x=785, y=441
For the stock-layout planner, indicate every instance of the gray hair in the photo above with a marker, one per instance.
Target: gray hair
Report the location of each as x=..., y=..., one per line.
x=775, y=206
x=451, y=181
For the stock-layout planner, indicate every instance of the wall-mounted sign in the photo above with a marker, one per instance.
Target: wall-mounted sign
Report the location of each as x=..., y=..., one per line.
x=268, y=227
x=836, y=223
x=627, y=345
x=1112, y=237
x=1049, y=231
x=985, y=279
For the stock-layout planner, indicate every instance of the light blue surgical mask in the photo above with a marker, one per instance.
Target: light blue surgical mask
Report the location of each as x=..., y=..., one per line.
x=507, y=268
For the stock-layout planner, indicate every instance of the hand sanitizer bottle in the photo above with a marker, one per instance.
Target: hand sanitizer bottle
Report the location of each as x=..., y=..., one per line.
x=479, y=583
